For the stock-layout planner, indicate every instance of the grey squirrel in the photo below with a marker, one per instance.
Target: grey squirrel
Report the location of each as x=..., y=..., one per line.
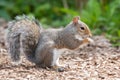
x=42, y=46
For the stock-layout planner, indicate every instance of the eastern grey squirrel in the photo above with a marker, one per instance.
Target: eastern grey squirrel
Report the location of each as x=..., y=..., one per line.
x=40, y=45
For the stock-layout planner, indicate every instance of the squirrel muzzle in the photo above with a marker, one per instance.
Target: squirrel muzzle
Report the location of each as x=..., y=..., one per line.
x=90, y=34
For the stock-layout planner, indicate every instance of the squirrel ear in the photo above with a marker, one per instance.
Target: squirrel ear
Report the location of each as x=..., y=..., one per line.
x=75, y=19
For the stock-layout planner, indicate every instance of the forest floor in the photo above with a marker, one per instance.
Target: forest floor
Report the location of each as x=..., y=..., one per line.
x=98, y=62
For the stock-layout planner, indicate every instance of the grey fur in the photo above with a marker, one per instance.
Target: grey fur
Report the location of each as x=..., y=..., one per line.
x=23, y=33
x=38, y=46
x=57, y=38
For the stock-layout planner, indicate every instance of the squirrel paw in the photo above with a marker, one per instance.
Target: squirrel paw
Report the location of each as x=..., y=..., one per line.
x=87, y=42
x=90, y=40
x=58, y=68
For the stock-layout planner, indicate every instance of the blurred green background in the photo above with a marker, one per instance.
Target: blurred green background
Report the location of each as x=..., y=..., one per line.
x=102, y=16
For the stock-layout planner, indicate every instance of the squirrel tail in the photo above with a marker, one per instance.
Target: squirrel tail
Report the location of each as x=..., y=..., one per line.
x=14, y=46
x=18, y=40
x=29, y=48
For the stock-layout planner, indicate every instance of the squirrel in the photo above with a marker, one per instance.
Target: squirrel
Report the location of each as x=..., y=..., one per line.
x=42, y=46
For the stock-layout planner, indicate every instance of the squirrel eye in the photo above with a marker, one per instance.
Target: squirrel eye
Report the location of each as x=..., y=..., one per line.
x=82, y=28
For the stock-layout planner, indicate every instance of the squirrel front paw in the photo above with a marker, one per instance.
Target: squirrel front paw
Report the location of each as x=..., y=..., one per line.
x=88, y=41
x=91, y=42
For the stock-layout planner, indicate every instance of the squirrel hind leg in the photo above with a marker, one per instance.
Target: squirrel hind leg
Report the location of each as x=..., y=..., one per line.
x=55, y=63
x=58, y=67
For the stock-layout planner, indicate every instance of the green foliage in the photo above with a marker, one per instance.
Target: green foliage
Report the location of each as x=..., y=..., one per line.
x=102, y=16
x=104, y=19
x=52, y=13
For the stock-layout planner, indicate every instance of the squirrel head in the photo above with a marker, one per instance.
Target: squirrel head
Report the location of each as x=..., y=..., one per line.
x=80, y=27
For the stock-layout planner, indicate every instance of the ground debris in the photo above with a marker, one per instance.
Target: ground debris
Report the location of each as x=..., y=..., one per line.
x=98, y=62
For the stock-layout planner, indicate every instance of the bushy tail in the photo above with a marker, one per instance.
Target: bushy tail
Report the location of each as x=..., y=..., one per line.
x=17, y=43
x=23, y=35
x=29, y=47
x=14, y=46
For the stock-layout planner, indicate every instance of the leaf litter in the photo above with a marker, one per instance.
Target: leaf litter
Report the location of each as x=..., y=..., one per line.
x=100, y=61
